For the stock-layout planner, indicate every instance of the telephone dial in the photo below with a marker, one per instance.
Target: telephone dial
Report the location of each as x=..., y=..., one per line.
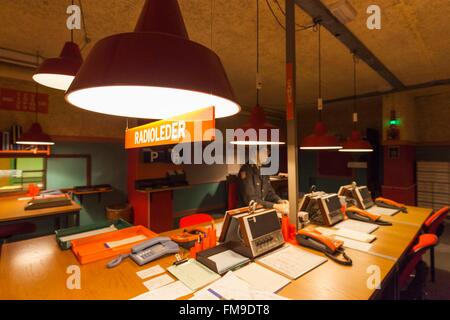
x=332, y=248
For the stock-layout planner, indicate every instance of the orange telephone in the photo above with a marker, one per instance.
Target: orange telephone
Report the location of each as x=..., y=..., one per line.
x=391, y=204
x=332, y=248
x=188, y=238
x=361, y=215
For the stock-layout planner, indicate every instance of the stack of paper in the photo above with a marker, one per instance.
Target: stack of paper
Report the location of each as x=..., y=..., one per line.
x=356, y=225
x=346, y=233
x=383, y=211
x=356, y=245
x=227, y=259
x=291, y=261
x=262, y=278
x=193, y=274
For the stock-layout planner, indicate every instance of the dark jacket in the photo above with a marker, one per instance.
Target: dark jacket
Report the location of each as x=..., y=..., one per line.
x=254, y=186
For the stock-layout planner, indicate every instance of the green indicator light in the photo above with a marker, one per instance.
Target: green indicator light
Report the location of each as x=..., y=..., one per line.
x=394, y=122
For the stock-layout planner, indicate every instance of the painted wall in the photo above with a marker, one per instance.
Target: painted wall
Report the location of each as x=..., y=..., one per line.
x=63, y=120
x=108, y=167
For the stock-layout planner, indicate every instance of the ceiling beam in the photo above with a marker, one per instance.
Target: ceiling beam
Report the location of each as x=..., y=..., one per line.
x=424, y=85
x=318, y=11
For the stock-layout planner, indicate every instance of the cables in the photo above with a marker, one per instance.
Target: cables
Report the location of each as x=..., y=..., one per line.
x=301, y=27
x=87, y=40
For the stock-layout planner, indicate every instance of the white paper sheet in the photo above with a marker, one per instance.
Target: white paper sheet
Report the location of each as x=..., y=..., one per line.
x=262, y=278
x=150, y=272
x=230, y=287
x=227, y=259
x=353, y=244
x=383, y=211
x=291, y=261
x=357, y=226
x=118, y=243
x=88, y=233
x=346, y=233
x=193, y=274
x=171, y=291
x=158, y=282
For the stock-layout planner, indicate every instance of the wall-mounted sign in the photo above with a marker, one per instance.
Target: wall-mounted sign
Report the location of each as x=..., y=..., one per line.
x=16, y=100
x=194, y=126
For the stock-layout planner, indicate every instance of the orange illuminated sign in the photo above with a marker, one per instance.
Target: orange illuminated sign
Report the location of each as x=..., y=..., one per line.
x=194, y=126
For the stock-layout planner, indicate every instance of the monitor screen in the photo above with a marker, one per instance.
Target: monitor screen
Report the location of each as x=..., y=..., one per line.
x=333, y=203
x=264, y=224
x=365, y=194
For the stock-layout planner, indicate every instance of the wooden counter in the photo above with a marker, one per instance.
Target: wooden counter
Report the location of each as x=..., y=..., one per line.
x=12, y=209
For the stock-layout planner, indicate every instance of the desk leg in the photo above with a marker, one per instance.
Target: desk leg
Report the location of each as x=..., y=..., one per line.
x=77, y=219
x=57, y=223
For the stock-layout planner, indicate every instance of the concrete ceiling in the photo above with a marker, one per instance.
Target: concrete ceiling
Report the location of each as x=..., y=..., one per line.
x=413, y=42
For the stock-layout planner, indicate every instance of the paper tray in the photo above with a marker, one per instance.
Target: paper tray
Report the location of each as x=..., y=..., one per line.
x=203, y=257
x=65, y=245
x=93, y=248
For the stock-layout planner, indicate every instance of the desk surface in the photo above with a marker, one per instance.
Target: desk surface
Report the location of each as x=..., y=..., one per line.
x=36, y=269
x=12, y=209
x=393, y=241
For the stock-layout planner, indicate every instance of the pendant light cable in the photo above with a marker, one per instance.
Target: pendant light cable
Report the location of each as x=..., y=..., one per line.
x=319, y=54
x=355, y=112
x=36, y=91
x=257, y=53
x=87, y=40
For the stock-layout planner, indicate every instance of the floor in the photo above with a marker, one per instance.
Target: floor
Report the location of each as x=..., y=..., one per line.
x=440, y=289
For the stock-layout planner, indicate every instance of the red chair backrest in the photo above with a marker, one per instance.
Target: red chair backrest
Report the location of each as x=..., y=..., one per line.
x=425, y=242
x=194, y=219
x=434, y=221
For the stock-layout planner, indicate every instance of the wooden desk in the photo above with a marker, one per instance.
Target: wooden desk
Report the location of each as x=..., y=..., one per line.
x=393, y=241
x=36, y=269
x=12, y=209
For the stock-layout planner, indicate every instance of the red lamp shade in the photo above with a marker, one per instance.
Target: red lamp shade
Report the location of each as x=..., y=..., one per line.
x=356, y=144
x=320, y=140
x=35, y=136
x=58, y=73
x=154, y=72
x=257, y=122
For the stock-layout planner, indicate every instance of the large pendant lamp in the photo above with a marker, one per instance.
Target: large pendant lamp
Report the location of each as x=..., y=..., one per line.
x=155, y=72
x=257, y=122
x=355, y=142
x=58, y=73
x=320, y=139
x=35, y=135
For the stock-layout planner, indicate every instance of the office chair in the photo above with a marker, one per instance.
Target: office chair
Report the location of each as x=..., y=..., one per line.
x=194, y=219
x=435, y=225
x=11, y=230
x=412, y=274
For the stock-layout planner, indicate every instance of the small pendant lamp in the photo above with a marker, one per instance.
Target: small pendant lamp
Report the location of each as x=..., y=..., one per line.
x=155, y=72
x=35, y=135
x=319, y=139
x=355, y=142
x=58, y=73
x=257, y=121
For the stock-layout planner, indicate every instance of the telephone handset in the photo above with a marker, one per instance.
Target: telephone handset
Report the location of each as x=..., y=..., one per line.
x=361, y=215
x=188, y=238
x=147, y=251
x=391, y=204
x=332, y=248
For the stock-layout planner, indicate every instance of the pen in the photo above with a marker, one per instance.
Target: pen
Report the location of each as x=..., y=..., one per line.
x=216, y=294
